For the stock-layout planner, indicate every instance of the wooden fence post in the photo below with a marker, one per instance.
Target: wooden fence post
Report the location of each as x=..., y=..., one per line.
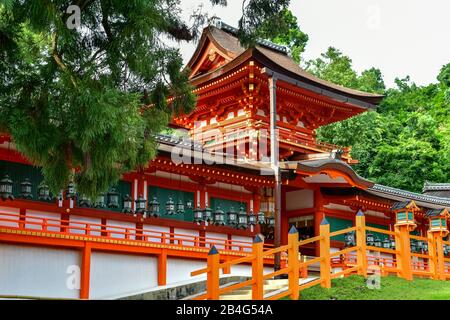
x=293, y=263
x=258, y=269
x=440, y=257
x=325, y=268
x=361, y=256
x=432, y=260
x=402, y=244
x=212, y=282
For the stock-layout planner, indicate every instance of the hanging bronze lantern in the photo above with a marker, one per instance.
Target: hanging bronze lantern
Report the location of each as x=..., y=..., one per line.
x=84, y=201
x=219, y=217
x=271, y=221
x=242, y=219
x=261, y=217
x=100, y=202
x=127, y=204
x=113, y=198
x=198, y=215
x=140, y=205
x=154, y=208
x=251, y=218
x=6, y=188
x=71, y=192
x=25, y=189
x=44, y=192
x=170, y=207
x=207, y=214
x=232, y=217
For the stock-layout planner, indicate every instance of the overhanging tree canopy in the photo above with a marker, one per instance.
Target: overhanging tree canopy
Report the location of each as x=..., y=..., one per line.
x=72, y=99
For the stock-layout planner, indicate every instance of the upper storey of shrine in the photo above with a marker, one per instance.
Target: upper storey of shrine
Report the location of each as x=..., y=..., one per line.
x=233, y=94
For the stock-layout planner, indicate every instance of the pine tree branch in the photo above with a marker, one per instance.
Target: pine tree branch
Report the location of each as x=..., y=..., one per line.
x=58, y=58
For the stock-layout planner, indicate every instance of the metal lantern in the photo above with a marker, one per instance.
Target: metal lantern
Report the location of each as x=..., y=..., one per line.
x=153, y=207
x=261, y=217
x=170, y=207
x=444, y=248
x=349, y=239
x=70, y=194
x=425, y=246
x=44, y=192
x=392, y=243
x=271, y=221
x=84, y=201
x=113, y=198
x=242, y=219
x=386, y=243
x=140, y=205
x=207, y=214
x=100, y=202
x=419, y=246
x=127, y=204
x=25, y=189
x=219, y=217
x=251, y=218
x=378, y=242
x=198, y=215
x=189, y=204
x=413, y=245
x=232, y=217
x=180, y=207
x=370, y=239
x=6, y=186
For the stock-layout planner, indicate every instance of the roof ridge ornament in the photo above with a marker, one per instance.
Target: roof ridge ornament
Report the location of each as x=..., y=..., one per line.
x=218, y=23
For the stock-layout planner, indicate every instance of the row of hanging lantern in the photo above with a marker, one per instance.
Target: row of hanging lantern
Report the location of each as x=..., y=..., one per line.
x=416, y=246
x=239, y=220
x=26, y=192
x=111, y=199
x=371, y=240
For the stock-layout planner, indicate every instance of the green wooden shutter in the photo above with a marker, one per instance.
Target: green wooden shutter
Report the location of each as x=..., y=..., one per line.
x=337, y=224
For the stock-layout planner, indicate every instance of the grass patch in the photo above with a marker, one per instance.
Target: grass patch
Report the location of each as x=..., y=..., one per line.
x=390, y=288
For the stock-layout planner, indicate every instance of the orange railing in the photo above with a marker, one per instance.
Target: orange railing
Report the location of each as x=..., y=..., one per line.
x=97, y=230
x=360, y=258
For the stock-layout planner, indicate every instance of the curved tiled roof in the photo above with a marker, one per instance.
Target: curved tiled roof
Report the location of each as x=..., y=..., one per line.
x=423, y=198
x=225, y=38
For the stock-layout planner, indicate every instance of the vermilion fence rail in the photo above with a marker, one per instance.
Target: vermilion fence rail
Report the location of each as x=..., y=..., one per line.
x=360, y=258
x=74, y=227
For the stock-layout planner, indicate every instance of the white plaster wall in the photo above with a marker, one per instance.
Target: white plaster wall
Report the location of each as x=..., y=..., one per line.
x=180, y=269
x=115, y=274
x=299, y=199
x=9, y=211
x=80, y=222
x=186, y=232
x=154, y=237
x=249, y=241
x=39, y=219
x=38, y=272
x=218, y=239
x=117, y=229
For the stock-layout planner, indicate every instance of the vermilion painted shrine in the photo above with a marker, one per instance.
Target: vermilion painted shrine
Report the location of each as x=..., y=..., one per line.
x=157, y=225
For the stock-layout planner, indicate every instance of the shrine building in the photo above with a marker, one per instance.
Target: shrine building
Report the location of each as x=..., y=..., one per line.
x=213, y=182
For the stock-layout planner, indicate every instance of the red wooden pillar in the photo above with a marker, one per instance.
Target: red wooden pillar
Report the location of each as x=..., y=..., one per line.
x=85, y=271
x=162, y=268
x=318, y=216
x=284, y=218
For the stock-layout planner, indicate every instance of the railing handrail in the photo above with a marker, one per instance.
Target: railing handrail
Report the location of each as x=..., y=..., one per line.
x=92, y=228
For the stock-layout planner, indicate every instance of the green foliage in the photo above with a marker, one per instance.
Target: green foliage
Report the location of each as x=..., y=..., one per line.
x=289, y=34
x=405, y=142
x=85, y=103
